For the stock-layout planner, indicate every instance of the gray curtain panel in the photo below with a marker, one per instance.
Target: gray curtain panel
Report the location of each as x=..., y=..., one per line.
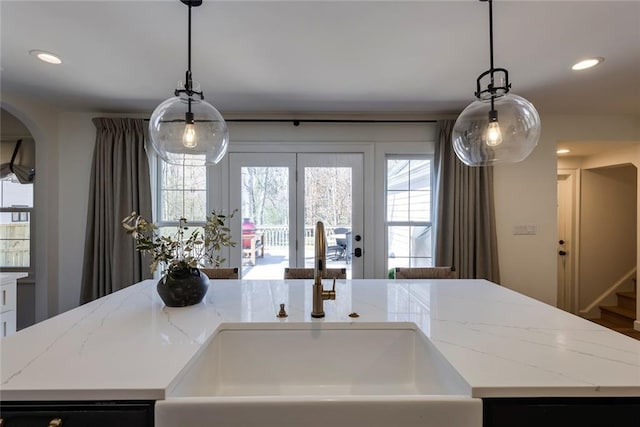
x=465, y=215
x=120, y=184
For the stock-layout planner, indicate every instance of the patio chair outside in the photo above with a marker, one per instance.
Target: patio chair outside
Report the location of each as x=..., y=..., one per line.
x=221, y=273
x=426, y=273
x=307, y=273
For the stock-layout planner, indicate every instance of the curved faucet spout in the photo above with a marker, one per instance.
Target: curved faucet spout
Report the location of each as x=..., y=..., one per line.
x=320, y=260
x=319, y=271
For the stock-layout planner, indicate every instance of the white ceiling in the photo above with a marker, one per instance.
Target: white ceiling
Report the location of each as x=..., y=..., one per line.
x=320, y=56
x=587, y=149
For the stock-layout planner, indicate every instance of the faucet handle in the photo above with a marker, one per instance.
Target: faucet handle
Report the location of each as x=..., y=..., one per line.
x=330, y=294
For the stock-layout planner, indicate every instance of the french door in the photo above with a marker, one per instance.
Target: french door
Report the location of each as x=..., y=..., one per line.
x=280, y=197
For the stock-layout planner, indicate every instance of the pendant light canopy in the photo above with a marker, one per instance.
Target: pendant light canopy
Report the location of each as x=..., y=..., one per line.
x=499, y=127
x=186, y=128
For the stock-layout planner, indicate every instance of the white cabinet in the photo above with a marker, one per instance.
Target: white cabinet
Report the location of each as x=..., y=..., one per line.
x=8, y=298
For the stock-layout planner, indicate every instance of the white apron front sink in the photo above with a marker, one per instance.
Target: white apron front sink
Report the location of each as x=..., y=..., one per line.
x=316, y=374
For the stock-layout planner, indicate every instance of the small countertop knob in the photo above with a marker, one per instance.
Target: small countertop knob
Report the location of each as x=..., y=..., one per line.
x=282, y=313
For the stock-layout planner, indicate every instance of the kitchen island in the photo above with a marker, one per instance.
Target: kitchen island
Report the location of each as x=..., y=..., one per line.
x=514, y=352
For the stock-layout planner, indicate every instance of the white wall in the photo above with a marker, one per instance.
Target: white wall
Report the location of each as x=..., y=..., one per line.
x=607, y=229
x=77, y=141
x=525, y=195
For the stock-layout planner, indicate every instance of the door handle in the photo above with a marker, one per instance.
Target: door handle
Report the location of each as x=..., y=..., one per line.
x=357, y=252
x=563, y=253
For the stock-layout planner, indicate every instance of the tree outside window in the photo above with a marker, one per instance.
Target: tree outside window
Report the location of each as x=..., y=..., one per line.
x=183, y=192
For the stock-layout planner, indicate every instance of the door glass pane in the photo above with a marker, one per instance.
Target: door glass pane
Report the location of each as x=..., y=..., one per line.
x=328, y=198
x=265, y=222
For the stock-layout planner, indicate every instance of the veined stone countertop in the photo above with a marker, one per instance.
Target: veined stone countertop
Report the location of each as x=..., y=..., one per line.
x=128, y=345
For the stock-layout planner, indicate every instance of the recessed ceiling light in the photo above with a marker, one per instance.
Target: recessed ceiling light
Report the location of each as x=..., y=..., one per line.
x=47, y=57
x=587, y=63
x=563, y=151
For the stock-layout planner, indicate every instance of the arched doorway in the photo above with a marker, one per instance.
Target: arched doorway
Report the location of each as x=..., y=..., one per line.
x=17, y=208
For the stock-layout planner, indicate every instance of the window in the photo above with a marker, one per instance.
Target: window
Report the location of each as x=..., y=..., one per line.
x=16, y=207
x=408, y=211
x=182, y=192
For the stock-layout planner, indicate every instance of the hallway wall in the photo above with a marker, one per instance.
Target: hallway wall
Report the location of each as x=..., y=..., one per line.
x=607, y=229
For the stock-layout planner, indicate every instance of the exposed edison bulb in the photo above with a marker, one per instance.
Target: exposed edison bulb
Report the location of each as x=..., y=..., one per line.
x=494, y=135
x=189, y=139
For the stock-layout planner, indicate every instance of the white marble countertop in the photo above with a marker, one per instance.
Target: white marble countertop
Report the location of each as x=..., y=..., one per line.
x=129, y=346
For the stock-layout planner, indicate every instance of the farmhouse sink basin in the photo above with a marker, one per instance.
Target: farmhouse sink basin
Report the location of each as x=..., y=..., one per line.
x=317, y=375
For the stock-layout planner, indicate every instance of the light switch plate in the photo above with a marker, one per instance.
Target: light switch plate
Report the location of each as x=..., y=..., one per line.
x=525, y=230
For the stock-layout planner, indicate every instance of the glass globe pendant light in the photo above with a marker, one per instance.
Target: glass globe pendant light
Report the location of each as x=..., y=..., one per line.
x=186, y=128
x=499, y=127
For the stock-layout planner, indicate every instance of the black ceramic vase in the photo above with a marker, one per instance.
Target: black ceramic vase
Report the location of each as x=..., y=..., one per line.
x=183, y=287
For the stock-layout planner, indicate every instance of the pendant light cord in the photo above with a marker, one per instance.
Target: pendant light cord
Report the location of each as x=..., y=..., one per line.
x=492, y=84
x=491, y=35
x=189, y=44
x=188, y=83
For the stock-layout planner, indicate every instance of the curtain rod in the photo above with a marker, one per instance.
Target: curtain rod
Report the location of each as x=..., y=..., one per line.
x=296, y=122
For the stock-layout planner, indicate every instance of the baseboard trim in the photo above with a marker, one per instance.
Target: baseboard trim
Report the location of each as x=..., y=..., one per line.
x=636, y=325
